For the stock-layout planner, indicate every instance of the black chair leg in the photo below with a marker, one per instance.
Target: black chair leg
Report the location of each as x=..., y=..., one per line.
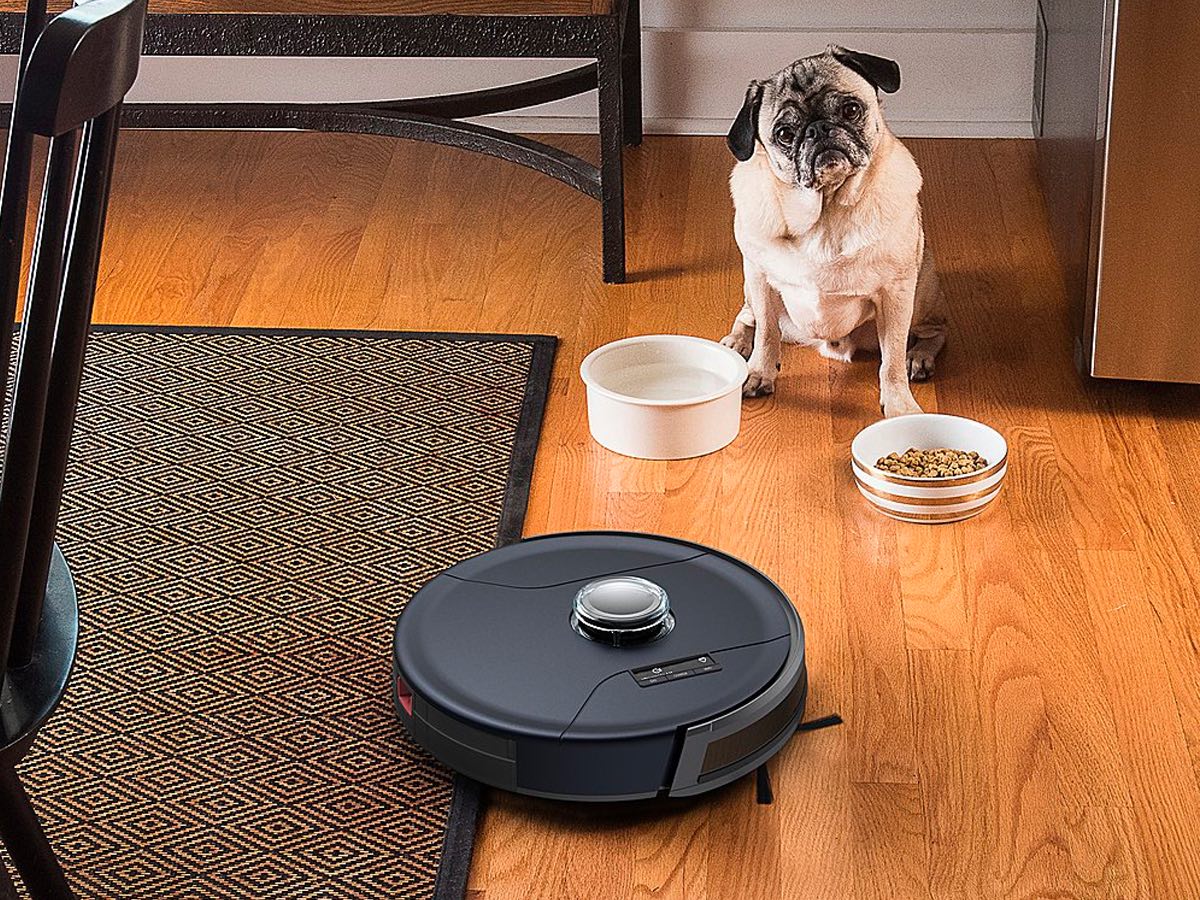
x=29, y=398
x=66, y=372
x=26, y=842
x=631, y=73
x=7, y=888
x=14, y=201
x=612, y=183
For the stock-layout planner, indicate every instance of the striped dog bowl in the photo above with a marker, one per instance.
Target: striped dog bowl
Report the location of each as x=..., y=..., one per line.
x=928, y=500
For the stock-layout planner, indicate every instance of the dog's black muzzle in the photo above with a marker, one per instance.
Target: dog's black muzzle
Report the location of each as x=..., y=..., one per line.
x=824, y=146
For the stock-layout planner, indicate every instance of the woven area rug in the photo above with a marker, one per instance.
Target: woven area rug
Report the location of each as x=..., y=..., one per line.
x=246, y=514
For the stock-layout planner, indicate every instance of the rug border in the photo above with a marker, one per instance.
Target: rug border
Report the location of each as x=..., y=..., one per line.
x=461, y=336
x=467, y=799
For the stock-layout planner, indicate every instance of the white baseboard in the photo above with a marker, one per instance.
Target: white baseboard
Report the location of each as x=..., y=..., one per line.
x=902, y=127
x=956, y=83
x=838, y=15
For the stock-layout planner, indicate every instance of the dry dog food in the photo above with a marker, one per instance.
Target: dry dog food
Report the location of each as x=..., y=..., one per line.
x=939, y=462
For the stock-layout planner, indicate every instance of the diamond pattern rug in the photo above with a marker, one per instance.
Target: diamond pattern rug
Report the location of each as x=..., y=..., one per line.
x=246, y=514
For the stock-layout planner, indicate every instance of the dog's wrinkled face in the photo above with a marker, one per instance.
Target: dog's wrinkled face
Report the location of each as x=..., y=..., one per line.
x=819, y=119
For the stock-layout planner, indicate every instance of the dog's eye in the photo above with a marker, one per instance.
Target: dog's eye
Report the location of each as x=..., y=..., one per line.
x=852, y=110
x=785, y=135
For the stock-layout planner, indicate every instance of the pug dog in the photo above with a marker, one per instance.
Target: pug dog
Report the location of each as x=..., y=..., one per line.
x=829, y=225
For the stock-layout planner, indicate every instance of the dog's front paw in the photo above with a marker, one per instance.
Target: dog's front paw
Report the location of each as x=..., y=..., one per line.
x=898, y=403
x=920, y=364
x=760, y=382
x=740, y=340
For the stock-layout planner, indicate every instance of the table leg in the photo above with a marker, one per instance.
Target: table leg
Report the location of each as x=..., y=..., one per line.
x=631, y=73
x=612, y=187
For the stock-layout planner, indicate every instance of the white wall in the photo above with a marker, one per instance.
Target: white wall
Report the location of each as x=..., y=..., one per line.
x=967, y=66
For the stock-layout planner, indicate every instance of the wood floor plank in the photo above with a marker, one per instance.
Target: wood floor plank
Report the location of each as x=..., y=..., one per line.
x=1021, y=378
x=1106, y=854
x=1009, y=730
x=953, y=790
x=328, y=225
x=1162, y=782
x=879, y=715
x=519, y=868
x=932, y=592
x=992, y=368
x=1163, y=520
x=890, y=851
x=381, y=289
x=1031, y=753
x=745, y=851
x=878, y=706
x=167, y=205
x=197, y=257
x=1096, y=496
x=671, y=857
x=813, y=774
x=816, y=815
x=1023, y=812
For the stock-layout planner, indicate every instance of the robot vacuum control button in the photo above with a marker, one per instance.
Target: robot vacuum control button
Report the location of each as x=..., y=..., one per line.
x=674, y=671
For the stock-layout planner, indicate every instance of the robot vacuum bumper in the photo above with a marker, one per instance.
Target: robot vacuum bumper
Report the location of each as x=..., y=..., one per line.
x=601, y=666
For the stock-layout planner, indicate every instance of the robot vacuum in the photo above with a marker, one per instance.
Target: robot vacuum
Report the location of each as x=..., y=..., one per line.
x=601, y=666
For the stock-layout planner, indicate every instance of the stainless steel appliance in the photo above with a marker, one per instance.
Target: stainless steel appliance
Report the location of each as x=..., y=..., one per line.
x=1117, y=116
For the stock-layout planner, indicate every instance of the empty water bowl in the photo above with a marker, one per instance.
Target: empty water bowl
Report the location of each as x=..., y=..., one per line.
x=664, y=396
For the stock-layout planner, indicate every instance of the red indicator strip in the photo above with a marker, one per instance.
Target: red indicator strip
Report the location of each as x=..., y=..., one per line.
x=404, y=695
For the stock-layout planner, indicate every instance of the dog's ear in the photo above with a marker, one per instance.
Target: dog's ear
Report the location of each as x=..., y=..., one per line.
x=883, y=74
x=744, y=131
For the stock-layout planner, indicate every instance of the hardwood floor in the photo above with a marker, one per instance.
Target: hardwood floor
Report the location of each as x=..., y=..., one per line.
x=1021, y=692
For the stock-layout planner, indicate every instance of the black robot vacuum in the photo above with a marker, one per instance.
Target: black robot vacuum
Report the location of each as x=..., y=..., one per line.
x=601, y=666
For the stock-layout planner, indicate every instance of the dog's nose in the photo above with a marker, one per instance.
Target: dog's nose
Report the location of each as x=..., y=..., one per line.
x=818, y=129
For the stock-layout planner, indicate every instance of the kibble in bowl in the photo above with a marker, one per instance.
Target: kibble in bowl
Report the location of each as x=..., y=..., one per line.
x=938, y=462
x=929, y=467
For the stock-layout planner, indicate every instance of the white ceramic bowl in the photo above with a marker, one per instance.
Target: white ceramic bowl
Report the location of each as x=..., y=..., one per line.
x=928, y=500
x=664, y=396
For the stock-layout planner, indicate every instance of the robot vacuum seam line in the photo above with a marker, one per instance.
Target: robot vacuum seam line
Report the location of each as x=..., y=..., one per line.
x=543, y=587
x=584, y=704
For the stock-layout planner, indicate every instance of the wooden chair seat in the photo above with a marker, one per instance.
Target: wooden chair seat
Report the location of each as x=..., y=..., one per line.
x=364, y=7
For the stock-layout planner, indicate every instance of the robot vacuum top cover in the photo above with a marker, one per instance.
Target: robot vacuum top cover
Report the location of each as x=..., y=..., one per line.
x=601, y=665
